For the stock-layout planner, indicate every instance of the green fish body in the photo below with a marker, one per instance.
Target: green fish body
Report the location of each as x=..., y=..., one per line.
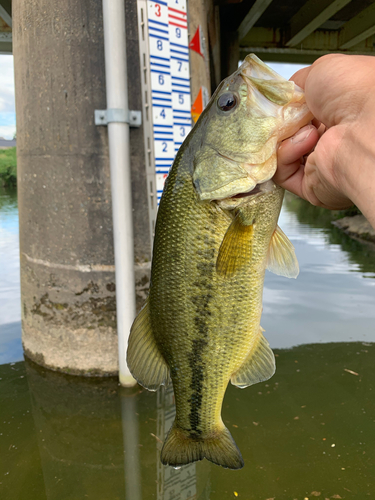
x=216, y=233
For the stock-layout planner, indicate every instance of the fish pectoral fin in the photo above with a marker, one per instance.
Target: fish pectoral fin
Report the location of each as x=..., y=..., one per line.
x=235, y=249
x=258, y=366
x=145, y=361
x=281, y=257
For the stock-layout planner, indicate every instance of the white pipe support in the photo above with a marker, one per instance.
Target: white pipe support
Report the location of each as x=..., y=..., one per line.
x=119, y=158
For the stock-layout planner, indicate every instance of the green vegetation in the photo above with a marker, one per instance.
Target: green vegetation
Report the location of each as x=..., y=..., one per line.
x=316, y=216
x=8, y=167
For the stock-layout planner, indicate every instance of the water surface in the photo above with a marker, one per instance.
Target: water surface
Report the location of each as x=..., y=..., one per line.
x=10, y=301
x=333, y=298
x=306, y=433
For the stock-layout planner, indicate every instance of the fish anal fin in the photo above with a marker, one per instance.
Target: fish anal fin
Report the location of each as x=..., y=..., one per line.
x=180, y=448
x=235, y=249
x=281, y=257
x=144, y=358
x=258, y=366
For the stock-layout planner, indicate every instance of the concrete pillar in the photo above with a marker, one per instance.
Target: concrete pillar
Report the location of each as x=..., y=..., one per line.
x=66, y=239
x=230, y=54
x=199, y=66
x=205, y=71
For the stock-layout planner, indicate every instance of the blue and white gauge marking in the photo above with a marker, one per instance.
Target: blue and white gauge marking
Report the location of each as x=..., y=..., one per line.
x=170, y=82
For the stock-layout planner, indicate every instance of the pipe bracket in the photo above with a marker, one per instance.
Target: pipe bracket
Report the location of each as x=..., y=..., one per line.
x=115, y=115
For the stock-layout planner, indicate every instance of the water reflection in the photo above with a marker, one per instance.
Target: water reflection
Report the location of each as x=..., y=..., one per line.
x=87, y=438
x=130, y=434
x=79, y=435
x=315, y=220
x=308, y=429
x=333, y=298
x=173, y=484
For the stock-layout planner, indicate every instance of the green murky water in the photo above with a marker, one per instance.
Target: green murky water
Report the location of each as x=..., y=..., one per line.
x=309, y=432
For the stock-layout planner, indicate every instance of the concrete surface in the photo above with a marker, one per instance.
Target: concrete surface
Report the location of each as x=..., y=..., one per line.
x=66, y=240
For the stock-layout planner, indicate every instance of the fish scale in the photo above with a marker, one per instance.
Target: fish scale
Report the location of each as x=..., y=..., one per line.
x=200, y=327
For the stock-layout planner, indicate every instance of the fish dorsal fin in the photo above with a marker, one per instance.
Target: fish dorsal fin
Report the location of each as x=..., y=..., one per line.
x=144, y=359
x=235, y=249
x=281, y=258
x=258, y=366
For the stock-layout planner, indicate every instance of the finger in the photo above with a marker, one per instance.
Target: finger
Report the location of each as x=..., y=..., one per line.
x=316, y=123
x=321, y=129
x=292, y=150
x=320, y=191
x=300, y=76
x=295, y=181
x=298, y=145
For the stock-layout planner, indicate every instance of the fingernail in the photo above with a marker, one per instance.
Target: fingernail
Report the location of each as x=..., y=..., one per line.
x=302, y=134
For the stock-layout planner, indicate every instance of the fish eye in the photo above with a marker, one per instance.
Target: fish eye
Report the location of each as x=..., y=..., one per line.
x=227, y=101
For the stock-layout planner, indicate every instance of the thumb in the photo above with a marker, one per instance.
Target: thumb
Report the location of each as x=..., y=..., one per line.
x=318, y=189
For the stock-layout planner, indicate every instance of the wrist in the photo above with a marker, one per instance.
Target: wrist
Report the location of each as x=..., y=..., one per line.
x=357, y=177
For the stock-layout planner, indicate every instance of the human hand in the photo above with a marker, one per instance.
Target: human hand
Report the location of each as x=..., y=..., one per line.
x=341, y=168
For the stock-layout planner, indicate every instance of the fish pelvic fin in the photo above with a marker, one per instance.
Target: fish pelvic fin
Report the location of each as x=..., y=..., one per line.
x=235, y=249
x=145, y=361
x=180, y=448
x=281, y=257
x=258, y=366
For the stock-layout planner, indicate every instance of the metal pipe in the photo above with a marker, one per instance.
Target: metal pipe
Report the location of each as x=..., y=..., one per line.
x=119, y=158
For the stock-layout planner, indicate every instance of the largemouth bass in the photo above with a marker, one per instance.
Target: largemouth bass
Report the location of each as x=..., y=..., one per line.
x=216, y=232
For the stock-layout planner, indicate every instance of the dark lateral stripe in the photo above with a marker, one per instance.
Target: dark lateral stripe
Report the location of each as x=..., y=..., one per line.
x=201, y=300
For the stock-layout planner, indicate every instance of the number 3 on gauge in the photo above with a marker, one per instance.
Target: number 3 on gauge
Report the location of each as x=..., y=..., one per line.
x=182, y=131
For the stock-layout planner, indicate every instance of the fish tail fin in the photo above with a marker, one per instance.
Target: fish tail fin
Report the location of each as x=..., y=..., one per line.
x=180, y=448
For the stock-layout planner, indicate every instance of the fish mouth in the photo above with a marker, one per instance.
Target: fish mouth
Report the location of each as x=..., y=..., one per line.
x=259, y=189
x=239, y=199
x=256, y=190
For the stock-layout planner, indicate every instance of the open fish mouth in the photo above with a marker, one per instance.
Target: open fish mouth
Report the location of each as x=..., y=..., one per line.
x=254, y=191
x=239, y=199
x=261, y=188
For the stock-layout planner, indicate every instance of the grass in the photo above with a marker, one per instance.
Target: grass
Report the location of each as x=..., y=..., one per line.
x=8, y=167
